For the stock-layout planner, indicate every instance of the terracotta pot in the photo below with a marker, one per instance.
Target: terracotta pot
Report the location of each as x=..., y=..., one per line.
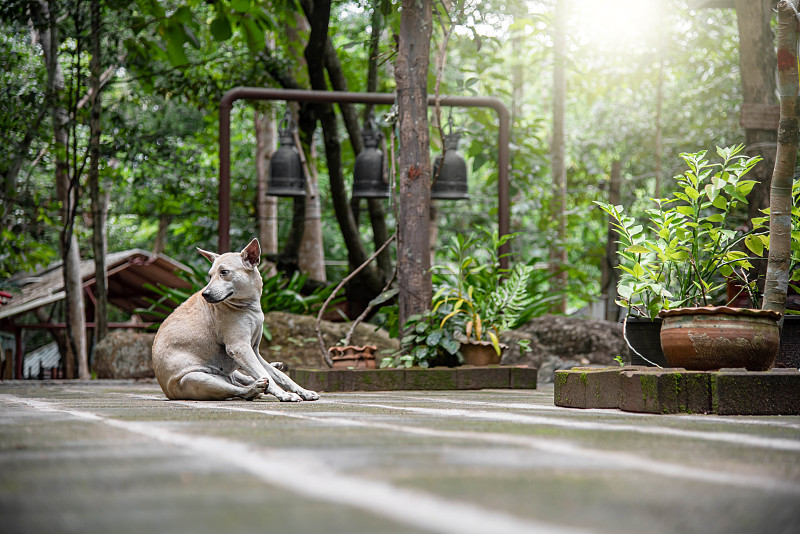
x=709, y=338
x=481, y=353
x=353, y=356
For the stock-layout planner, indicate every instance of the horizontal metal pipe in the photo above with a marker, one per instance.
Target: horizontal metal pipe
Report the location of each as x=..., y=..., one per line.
x=302, y=95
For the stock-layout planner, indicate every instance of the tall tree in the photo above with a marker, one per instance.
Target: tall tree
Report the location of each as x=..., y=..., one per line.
x=99, y=240
x=414, y=174
x=558, y=249
x=780, y=204
x=67, y=187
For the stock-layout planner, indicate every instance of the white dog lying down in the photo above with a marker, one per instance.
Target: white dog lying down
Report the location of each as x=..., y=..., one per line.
x=207, y=349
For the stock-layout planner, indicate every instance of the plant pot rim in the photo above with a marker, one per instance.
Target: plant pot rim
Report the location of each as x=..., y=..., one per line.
x=720, y=310
x=484, y=343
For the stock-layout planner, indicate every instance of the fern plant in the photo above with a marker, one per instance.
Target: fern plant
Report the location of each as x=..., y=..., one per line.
x=475, y=287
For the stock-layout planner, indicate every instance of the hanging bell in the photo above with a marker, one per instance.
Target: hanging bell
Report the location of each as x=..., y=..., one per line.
x=368, y=179
x=450, y=182
x=286, y=178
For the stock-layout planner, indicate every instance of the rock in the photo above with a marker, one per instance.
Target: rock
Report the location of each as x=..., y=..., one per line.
x=124, y=354
x=559, y=342
x=294, y=339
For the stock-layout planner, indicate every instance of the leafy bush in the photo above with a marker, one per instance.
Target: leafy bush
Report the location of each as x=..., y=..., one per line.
x=683, y=258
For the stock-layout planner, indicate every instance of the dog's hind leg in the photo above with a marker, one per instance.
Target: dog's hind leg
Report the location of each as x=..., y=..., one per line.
x=287, y=383
x=198, y=385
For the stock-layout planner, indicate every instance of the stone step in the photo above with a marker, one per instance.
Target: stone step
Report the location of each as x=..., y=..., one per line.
x=435, y=378
x=673, y=390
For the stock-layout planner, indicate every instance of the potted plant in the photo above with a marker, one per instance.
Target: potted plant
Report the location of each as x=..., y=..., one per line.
x=427, y=342
x=482, y=297
x=678, y=267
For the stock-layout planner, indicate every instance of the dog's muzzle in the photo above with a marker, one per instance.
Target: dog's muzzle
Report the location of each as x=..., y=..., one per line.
x=214, y=297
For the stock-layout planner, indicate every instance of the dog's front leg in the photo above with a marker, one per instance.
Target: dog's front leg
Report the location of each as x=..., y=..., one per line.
x=287, y=383
x=243, y=355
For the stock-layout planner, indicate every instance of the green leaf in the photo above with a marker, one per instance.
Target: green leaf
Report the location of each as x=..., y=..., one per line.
x=755, y=244
x=221, y=28
x=637, y=249
x=685, y=210
x=242, y=6
x=691, y=193
x=434, y=338
x=720, y=203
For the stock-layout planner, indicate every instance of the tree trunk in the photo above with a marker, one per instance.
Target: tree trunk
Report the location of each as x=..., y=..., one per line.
x=266, y=206
x=98, y=199
x=368, y=284
x=659, y=148
x=67, y=193
x=780, y=203
x=757, y=66
x=558, y=250
x=311, y=256
x=162, y=233
x=414, y=176
x=609, y=276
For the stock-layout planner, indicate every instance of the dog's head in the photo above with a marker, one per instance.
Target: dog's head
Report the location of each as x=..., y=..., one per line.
x=234, y=275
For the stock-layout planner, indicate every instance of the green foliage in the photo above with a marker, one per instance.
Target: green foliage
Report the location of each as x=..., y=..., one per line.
x=427, y=342
x=684, y=256
x=490, y=297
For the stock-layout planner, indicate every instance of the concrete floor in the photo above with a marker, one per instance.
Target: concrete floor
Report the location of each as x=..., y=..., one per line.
x=109, y=456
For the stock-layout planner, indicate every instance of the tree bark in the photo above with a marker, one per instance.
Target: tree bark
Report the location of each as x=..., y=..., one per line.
x=414, y=177
x=311, y=256
x=558, y=250
x=99, y=241
x=780, y=204
x=67, y=193
x=757, y=66
x=609, y=277
x=266, y=206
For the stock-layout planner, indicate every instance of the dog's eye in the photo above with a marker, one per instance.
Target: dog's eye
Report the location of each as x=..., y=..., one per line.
x=224, y=272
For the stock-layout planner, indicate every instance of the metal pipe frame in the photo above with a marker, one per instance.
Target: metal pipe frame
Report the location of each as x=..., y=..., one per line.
x=341, y=97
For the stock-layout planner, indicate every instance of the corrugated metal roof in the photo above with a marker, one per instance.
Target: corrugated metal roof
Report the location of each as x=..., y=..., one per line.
x=48, y=356
x=127, y=273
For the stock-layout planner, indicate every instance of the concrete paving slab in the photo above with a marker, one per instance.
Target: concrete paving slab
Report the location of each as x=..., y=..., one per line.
x=102, y=456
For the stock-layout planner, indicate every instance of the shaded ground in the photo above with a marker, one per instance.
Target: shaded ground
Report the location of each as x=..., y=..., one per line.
x=108, y=456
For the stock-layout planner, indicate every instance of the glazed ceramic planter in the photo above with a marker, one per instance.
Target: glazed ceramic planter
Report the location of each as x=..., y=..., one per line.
x=709, y=338
x=481, y=353
x=644, y=335
x=353, y=357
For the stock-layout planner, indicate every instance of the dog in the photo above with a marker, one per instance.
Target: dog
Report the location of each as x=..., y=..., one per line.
x=207, y=349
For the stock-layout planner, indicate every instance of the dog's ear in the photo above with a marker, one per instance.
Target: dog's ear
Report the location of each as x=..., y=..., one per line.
x=210, y=256
x=251, y=254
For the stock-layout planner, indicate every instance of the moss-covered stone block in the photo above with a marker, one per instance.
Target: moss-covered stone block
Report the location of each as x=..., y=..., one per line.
x=313, y=379
x=492, y=377
x=522, y=377
x=341, y=380
x=434, y=378
x=668, y=390
x=588, y=387
x=378, y=379
x=740, y=392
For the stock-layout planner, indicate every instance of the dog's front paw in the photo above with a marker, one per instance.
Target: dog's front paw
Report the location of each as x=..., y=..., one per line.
x=308, y=395
x=288, y=396
x=257, y=389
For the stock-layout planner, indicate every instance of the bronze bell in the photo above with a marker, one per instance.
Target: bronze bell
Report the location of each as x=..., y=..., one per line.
x=286, y=178
x=450, y=183
x=368, y=179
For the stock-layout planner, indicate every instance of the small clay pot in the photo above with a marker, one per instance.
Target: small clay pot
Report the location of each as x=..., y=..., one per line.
x=481, y=353
x=352, y=356
x=713, y=337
